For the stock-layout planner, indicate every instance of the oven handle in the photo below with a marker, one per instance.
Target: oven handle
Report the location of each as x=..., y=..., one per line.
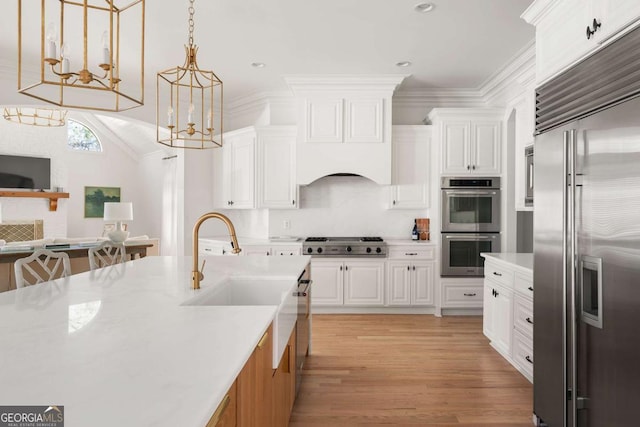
x=467, y=237
x=471, y=192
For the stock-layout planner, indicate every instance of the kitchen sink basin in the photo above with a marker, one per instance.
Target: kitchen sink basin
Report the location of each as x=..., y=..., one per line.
x=243, y=292
x=252, y=292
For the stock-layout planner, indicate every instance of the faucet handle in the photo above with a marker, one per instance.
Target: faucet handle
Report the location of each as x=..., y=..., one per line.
x=200, y=273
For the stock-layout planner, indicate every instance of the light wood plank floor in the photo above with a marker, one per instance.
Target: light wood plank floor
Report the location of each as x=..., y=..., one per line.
x=413, y=370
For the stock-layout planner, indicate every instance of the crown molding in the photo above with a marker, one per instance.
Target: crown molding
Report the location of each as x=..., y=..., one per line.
x=438, y=98
x=538, y=10
x=344, y=82
x=517, y=72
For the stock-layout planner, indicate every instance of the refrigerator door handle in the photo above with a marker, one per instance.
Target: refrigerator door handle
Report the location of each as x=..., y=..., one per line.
x=565, y=255
x=572, y=176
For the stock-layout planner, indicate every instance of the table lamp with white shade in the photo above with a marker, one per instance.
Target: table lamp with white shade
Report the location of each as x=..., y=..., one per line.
x=118, y=211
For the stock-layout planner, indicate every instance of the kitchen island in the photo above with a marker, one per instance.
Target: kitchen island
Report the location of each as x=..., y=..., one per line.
x=119, y=347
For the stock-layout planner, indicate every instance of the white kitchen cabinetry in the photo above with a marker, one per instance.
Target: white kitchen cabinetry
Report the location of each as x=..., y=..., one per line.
x=347, y=282
x=410, y=283
x=279, y=250
x=561, y=29
x=498, y=312
x=470, y=140
x=508, y=308
x=277, y=187
x=410, y=275
x=344, y=119
x=234, y=187
x=411, y=147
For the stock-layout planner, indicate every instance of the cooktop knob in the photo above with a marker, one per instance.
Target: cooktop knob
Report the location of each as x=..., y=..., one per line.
x=319, y=250
x=378, y=250
x=348, y=248
x=309, y=250
x=368, y=250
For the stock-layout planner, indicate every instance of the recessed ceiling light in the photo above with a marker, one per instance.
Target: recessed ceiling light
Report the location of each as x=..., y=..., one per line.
x=424, y=7
x=258, y=64
x=403, y=64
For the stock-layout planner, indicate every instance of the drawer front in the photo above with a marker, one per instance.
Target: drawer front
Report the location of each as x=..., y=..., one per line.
x=210, y=248
x=524, y=285
x=523, y=315
x=522, y=353
x=286, y=250
x=499, y=274
x=463, y=296
x=412, y=252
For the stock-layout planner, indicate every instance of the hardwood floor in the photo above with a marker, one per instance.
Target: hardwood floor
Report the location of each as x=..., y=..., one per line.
x=413, y=370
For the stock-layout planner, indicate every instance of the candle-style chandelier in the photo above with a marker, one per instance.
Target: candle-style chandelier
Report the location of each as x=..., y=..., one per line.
x=82, y=53
x=192, y=100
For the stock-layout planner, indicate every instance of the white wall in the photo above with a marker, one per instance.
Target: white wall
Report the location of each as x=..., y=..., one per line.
x=344, y=206
x=74, y=170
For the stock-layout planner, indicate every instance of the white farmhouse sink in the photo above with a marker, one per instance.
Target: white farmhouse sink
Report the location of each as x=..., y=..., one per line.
x=276, y=292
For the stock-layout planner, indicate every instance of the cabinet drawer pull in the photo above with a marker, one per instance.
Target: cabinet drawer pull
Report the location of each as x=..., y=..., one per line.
x=495, y=273
x=411, y=253
x=470, y=295
x=208, y=249
x=528, y=319
x=530, y=288
x=215, y=418
x=528, y=359
x=263, y=340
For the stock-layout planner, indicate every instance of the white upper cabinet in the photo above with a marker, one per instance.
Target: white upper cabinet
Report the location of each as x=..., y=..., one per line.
x=568, y=30
x=234, y=171
x=277, y=187
x=411, y=169
x=470, y=140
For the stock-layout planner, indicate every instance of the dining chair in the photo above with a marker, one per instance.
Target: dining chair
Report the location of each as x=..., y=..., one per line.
x=41, y=266
x=106, y=254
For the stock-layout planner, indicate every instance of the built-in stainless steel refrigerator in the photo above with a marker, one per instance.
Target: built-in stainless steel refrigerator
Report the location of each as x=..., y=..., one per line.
x=587, y=242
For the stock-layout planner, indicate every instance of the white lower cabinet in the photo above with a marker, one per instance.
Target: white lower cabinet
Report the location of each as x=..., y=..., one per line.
x=409, y=283
x=338, y=282
x=498, y=307
x=364, y=283
x=508, y=313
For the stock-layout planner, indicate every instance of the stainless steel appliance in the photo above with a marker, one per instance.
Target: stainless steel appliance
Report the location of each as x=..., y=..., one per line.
x=345, y=247
x=470, y=224
x=528, y=156
x=303, y=324
x=470, y=204
x=587, y=242
x=461, y=253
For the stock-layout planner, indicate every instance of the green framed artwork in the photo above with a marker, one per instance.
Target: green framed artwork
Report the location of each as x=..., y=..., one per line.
x=95, y=198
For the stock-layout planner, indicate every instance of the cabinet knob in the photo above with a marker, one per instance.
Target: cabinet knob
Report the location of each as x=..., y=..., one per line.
x=414, y=268
x=473, y=167
x=293, y=202
x=468, y=167
x=408, y=267
x=346, y=267
x=394, y=202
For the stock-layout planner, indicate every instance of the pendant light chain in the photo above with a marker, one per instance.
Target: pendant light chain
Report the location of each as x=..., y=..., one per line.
x=192, y=11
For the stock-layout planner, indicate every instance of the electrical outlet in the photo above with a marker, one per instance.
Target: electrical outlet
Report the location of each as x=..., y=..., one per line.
x=286, y=224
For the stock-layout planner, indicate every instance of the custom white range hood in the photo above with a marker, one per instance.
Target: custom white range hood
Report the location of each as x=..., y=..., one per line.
x=344, y=125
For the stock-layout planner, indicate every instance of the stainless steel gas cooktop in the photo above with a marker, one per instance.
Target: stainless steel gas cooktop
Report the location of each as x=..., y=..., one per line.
x=345, y=246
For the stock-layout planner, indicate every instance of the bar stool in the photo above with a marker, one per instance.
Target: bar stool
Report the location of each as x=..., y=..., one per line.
x=106, y=254
x=41, y=266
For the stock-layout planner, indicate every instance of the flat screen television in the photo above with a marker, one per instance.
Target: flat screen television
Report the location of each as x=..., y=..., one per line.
x=25, y=172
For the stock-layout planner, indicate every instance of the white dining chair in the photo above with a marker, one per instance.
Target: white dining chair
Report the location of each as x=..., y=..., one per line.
x=41, y=266
x=106, y=254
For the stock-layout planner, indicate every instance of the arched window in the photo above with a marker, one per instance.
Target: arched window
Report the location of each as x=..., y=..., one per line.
x=81, y=138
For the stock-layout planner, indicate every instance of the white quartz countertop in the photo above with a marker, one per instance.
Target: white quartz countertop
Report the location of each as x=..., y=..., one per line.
x=521, y=261
x=252, y=241
x=116, y=347
x=408, y=241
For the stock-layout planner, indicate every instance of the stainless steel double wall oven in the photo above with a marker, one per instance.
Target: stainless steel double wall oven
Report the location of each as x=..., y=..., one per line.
x=470, y=223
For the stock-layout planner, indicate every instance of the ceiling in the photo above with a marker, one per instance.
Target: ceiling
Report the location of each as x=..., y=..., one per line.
x=460, y=44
